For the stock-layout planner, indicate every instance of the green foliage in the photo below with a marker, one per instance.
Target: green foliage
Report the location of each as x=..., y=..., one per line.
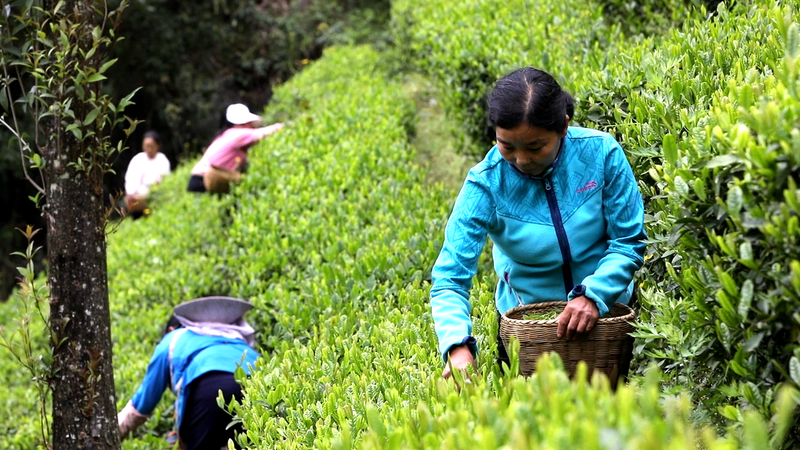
x=654, y=16
x=707, y=114
x=192, y=59
x=177, y=253
x=336, y=232
x=727, y=210
x=548, y=411
x=465, y=46
x=21, y=326
x=52, y=57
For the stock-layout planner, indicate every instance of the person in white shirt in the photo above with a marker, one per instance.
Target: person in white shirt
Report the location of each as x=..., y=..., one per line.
x=145, y=169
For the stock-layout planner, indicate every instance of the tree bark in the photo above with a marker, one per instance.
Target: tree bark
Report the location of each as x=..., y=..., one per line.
x=84, y=401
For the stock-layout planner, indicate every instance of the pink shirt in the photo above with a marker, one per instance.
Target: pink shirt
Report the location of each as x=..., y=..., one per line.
x=229, y=150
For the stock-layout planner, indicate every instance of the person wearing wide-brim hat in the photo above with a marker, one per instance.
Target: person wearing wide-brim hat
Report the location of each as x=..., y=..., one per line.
x=223, y=161
x=205, y=341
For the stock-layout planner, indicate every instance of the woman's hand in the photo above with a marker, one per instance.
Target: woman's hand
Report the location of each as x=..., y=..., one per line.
x=579, y=316
x=274, y=127
x=460, y=358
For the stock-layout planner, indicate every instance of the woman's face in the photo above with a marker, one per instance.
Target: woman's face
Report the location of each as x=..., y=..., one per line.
x=530, y=149
x=150, y=147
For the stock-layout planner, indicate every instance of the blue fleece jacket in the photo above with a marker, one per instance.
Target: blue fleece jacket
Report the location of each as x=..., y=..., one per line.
x=585, y=210
x=192, y=356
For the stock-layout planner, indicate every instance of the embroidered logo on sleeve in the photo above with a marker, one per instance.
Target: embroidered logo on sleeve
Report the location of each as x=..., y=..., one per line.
x=589, y=185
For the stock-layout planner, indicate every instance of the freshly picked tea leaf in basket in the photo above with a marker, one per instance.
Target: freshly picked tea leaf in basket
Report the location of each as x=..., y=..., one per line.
x=540, y=315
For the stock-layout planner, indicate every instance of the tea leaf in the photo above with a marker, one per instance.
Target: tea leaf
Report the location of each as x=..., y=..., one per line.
x=681, y=187
x=735, y=200
x=793, y=41
x=794, y=370
x=670, y=149
x=722, y=161
x=746, y=298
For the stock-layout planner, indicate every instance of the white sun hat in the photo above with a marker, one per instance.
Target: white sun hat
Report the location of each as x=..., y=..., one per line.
x=213, y=309
x=239, y=114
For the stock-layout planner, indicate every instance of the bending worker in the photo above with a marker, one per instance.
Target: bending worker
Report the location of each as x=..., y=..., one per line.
x=205, y=341
x=225, y=159
x=562, y=208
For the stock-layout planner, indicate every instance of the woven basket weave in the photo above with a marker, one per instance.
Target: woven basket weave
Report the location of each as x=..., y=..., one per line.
x=608, y=348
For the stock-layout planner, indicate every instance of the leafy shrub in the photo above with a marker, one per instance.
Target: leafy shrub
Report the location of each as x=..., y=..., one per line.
x=727, y=201
x=653, y=16
x=706, y=112
x=465, y=46
x=333, y=260
x=336, y=232
x=549, y=411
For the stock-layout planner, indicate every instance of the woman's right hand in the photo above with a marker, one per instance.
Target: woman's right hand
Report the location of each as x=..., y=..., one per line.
x=460, y=358
x=274, y=127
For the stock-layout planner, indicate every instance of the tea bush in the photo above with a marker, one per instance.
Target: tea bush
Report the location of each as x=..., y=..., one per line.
x=653, y=16
x=465, y=46
x=707, y=114
x=727, y=201
x=337, y=233
x=333, y=231
x=176, y=254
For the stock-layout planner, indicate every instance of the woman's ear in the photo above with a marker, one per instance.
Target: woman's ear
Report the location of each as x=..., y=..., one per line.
x=566, y=126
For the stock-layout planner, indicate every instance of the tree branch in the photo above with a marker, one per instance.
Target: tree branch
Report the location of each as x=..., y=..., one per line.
x=15, y=129
x=22, y=146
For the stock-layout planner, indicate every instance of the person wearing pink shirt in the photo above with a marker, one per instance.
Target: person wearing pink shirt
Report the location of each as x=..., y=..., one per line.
x=225, y=158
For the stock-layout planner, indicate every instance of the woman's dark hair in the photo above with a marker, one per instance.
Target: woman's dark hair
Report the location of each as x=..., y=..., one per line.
x=531, y=96
x=173, y=322
x=153, y=135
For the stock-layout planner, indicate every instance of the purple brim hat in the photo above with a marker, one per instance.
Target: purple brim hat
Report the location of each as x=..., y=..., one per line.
x=213, y=309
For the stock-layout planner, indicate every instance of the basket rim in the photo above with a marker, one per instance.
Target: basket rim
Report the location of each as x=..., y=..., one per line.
x=630, y=314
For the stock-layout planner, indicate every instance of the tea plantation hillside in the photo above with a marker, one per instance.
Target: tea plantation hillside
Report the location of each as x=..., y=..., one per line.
x=333, y=232
x=708, y=113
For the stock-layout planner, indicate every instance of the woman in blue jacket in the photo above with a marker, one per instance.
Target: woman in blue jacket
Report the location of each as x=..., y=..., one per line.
x=206, y=340
x=562, y=208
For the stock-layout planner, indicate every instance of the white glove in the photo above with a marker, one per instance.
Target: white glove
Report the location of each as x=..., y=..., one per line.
x=129, y=419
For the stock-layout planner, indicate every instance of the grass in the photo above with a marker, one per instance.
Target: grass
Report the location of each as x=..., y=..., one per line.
x=436, y=139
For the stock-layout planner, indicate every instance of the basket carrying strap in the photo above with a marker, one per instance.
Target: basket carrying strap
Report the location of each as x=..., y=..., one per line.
x=172, y=343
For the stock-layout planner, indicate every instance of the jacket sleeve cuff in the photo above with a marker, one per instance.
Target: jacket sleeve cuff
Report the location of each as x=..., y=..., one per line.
x=129, y=419
x=602, y=307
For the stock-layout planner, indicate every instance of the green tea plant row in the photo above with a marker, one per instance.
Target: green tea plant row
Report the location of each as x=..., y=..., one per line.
x=177, y=253
x=336, y=231
x=335, y=234
x=708, y=115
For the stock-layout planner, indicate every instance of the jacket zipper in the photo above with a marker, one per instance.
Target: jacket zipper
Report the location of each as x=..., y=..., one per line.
x=561, y=234
x=507, y=277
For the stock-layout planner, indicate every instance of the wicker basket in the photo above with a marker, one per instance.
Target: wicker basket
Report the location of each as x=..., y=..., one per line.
x=608, y=348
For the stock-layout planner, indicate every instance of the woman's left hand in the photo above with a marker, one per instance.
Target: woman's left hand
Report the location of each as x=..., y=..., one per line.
x=579, y=316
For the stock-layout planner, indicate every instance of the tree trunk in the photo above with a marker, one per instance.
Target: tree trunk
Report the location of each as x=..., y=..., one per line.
x=84, y=402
